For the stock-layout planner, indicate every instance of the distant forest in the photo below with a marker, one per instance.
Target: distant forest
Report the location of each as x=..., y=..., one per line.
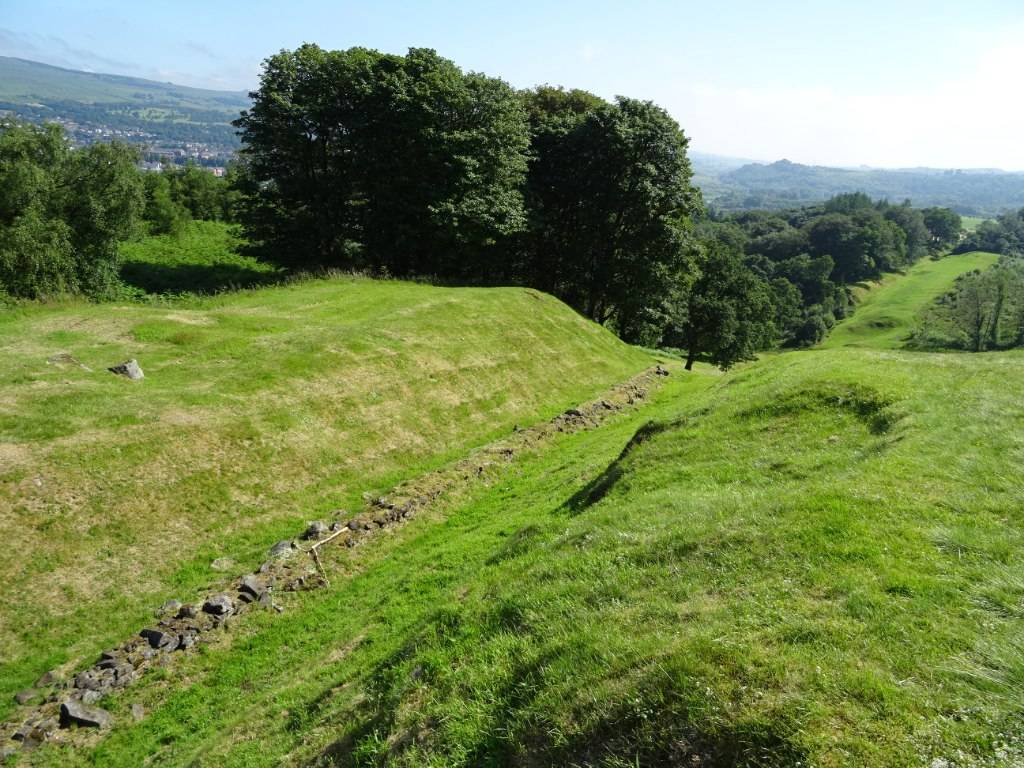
x=736, y=186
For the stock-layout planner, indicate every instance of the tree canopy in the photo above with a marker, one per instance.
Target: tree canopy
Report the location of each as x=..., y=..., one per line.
x=62, y=212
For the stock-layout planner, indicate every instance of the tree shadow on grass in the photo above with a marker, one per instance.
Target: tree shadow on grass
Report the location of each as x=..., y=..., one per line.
x=194, y=278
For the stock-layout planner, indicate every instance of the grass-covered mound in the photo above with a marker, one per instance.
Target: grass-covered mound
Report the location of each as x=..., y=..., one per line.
x=259, y=411
x=887, y=313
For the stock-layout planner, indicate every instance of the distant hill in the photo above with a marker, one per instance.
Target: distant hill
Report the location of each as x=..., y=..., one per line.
x=785, y=184
x=94, y=106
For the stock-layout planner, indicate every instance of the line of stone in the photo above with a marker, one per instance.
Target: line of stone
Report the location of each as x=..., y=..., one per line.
x=67, y=705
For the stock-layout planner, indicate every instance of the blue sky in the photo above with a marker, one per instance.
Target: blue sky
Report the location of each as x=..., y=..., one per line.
x=896, y=83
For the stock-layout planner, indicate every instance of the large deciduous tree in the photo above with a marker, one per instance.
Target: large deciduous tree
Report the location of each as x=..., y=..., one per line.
x=610, y=202
x=727, y=315
x=356, y=158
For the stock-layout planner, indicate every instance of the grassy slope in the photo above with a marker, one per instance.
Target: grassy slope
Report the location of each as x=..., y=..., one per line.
x=815, y=558
x=22, y=81
x=259, y=411
x=812, y=560
x=887, y=313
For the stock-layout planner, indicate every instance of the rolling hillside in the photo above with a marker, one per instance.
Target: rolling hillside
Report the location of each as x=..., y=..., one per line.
x=812, y=560
x=95, y=106
x=784, y=184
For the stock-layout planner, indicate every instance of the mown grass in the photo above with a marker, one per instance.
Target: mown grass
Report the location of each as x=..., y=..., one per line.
x=886, y=314
x=260, y=410
x=203, y=259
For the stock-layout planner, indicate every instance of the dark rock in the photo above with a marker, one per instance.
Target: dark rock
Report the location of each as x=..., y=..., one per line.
x=283, y=549
x=24, y=697
x=170, y=607
x=252, y=585
x=159, y=639
x=188, y=639
x=187, y=611
x=661, y=371
x=129, y=368
x=315, y=530
x=76, y=713
x=219, y=605
x=89, y=681
x=353, y=525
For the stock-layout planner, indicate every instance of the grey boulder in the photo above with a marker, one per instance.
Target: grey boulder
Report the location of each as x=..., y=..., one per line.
x=129, y=368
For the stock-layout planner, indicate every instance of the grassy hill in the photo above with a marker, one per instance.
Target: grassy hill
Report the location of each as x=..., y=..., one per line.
x=94, y=106
x=784, y=184
x=812, y=560
x=24, y=82
x=259, y=411
x=886, y=313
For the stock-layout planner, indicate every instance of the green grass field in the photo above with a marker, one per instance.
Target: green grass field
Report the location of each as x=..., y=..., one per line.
x=260, y=411
x=970, y=223
x=814, y=559
x=886, y=314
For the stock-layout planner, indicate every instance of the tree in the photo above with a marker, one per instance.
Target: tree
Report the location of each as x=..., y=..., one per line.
x=610, y=203
x=63, y=212
x=944, y=226
x=164, y=215
x=358, y=158
x=728, y=313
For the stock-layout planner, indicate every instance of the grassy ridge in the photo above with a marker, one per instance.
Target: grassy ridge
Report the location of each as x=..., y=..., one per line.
x=812, y=560
x=887, y=313
x=260, y=410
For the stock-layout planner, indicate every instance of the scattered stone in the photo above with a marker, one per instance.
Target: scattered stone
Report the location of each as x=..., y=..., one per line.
x=187, y=611
x=222, y=564
x=219, y=605
x=160, y=640
x=353, y=525
x=315, y=530
x=24, y=697
x=660, y=371
x=49, y=678
x=88, y=681
x=283, y=549
x=90, y=697
x=129, y=368
x=76, y=713
x=188, y=639
x=138, y=712
x=6, y=752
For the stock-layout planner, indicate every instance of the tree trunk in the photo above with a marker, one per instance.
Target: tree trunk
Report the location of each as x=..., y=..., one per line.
x=690, y=357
